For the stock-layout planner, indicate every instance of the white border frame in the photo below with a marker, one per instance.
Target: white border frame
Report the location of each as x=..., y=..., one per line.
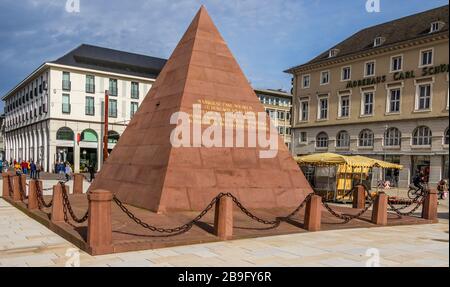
x=420, y=57
x=319, y=97
x=372, y=89
x=349, y=94
x=374, y=69
x=342, y=73
x=416, y=96
x=301, y=100
x=400, y=86
x=302, y=82
x=391, y=62
x=329, y=77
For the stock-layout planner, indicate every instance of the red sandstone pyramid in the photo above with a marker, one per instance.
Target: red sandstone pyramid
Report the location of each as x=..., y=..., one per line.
x=145, y=170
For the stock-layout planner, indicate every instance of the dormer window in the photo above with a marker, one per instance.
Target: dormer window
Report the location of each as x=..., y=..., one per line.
x=378, y=41
x=333, y=53
x=436, y=26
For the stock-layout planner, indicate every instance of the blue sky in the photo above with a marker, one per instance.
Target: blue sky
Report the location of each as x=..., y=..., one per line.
x=266, y=36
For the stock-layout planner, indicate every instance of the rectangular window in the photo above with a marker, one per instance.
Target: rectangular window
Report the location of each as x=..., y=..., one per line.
x=424, y=97
x=346, y=73
x=396, y=63
x=281, y=130
x=394, y=101
x=368, y=103
x=113, y=87
x=426, y=57
x=280, y=115
x=324, y=77
x=304, y=111
x=90, y=84
x=66, y=81
x=134, y=90
x=134, y=108
x=323, y=108
x=303, y=137
x=112, y=109
x=66, y=104
x=306, y=81
x=345, y=106
x=370, y=69
x=90, y=108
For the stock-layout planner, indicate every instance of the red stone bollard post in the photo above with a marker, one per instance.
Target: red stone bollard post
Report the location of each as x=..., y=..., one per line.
x=57, y=206
x=379, y=212
x=429, y=208
x=99, y=236
x=359, y=197
x=313, y=213
x=16, y=191
x=78, y=183
x=23, y=180
x=223, y=218
x=6, y=180
x=32, y=196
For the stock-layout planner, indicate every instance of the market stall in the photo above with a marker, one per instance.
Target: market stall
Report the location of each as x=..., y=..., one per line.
x=333, y=176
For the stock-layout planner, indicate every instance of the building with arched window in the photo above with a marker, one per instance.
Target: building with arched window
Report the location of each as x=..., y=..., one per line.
x=383, y=93
x=57, y=113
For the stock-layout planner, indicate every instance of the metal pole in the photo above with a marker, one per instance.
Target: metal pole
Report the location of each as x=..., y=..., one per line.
x=105, y=136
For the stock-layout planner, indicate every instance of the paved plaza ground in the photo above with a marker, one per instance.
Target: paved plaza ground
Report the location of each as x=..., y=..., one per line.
x=24, y=242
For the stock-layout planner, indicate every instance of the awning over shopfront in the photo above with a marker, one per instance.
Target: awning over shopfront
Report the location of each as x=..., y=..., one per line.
x=324, y=159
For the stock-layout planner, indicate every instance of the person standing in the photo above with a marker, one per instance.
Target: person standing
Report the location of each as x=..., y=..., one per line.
x=62, y=170
x=38, y=170
x=33, y=170
x=68, y=171
x=91, y=170
x=24, y=166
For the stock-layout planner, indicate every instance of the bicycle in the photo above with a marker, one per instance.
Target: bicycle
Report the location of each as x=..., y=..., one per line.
x=415, y=192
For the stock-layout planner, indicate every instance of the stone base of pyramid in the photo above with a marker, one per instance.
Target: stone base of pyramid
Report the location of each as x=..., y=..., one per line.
x=128, y=236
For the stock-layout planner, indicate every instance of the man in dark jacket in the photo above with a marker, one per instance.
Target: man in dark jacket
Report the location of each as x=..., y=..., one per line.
x=33, y=170
x=418, y=181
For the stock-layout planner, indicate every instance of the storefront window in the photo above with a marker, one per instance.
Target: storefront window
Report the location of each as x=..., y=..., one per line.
x=89, y=136
x=65, y=134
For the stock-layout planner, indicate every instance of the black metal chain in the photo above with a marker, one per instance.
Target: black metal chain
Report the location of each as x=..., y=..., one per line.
x=346, y=217
x=67, y=207
x=419, y=203
x=40, y=197
x=187, y=226
x=182, y=228
x=23, y=193
x=405, y=205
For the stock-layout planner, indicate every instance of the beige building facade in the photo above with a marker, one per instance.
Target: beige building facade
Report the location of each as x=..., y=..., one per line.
x=278, y=105
x=383, y=93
